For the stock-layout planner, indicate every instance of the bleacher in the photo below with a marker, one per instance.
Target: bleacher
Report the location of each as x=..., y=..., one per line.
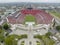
x=41, y=16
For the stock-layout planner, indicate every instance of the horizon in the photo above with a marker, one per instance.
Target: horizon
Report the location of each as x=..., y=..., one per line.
x=30, y=1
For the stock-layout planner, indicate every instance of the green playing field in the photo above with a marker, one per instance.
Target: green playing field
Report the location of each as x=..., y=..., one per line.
x=29, y=18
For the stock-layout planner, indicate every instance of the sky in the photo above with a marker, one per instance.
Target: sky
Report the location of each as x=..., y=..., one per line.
x=45, y=1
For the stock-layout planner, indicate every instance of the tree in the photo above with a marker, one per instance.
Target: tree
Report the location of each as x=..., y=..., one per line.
x=0, y=27
x=6, y=26
x=38, y=36
x=58, y=28
x=1, y=35
x=10, y=40
x=48, y=34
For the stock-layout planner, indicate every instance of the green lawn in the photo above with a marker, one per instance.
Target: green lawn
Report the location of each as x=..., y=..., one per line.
x=2, y=35
x=22, y=43
x=55, y=13
x=46, y=40
x=38, y=43
x=29, y=18
x=11, y=39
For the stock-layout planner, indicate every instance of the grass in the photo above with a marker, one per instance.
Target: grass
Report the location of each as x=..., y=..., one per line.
x=46, y=40
x=38, y=43
x=22, y=43
x=55, y=13
x=2, y=35
x=29, y=18
x=11, y=39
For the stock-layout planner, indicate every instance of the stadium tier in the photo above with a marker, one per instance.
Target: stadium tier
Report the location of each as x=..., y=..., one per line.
x=41, y=17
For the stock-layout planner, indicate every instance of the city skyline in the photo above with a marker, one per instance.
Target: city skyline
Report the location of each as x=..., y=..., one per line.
x=43, y=1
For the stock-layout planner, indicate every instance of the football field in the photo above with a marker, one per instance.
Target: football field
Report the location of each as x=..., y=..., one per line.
x=29, y=18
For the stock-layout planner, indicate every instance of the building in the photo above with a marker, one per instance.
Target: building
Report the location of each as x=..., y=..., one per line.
x=43, y=19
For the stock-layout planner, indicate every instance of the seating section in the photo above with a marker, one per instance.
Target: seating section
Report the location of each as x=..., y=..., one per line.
x=41, y=16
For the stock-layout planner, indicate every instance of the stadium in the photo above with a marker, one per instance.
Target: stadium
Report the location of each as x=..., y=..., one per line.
x=41, y=17
x=30, y=24
x=38, y=19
